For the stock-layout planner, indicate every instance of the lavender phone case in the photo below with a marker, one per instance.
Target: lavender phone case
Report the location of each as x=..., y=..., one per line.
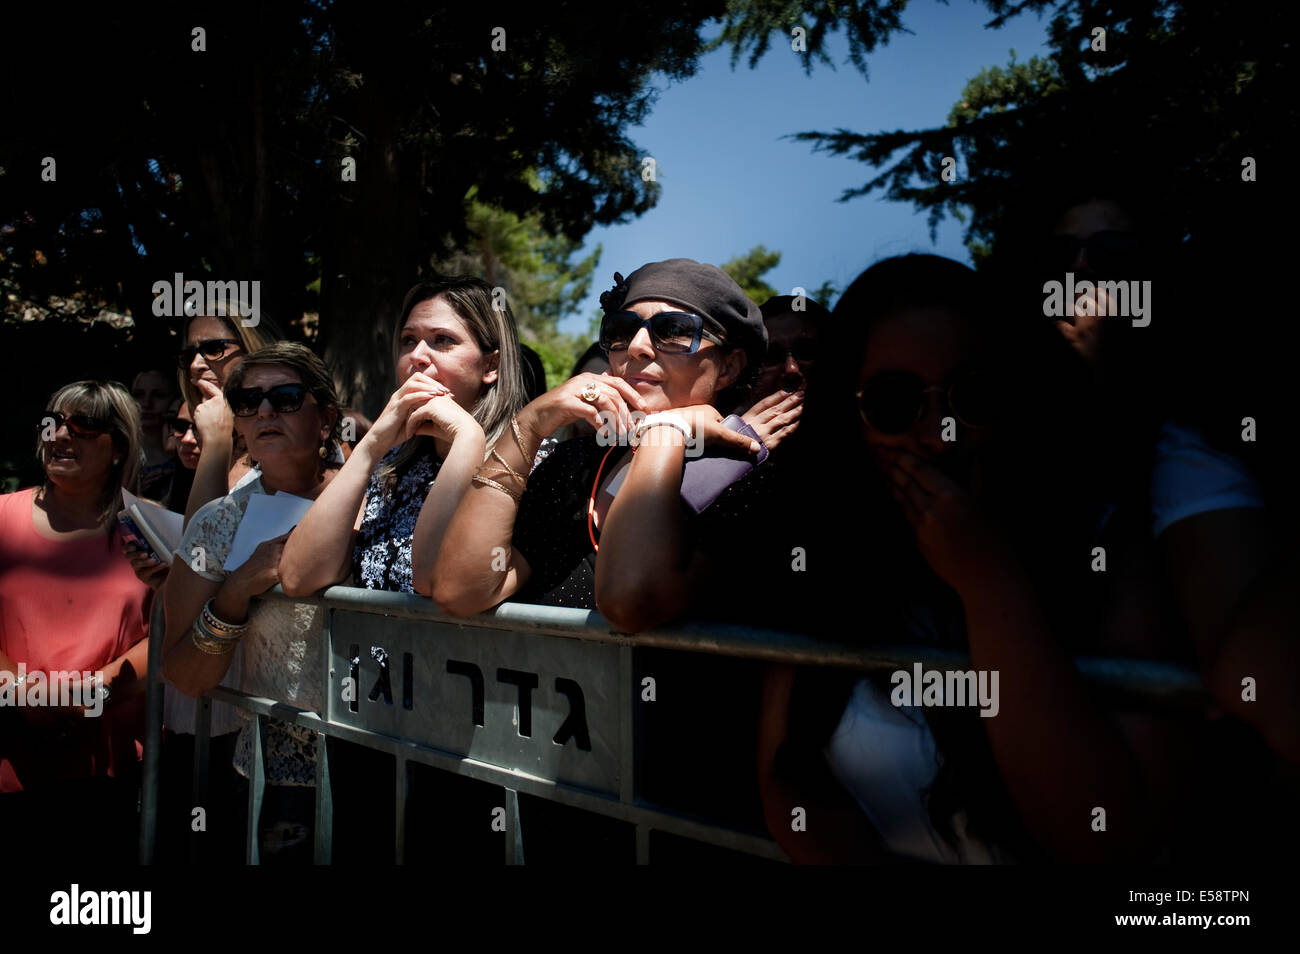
x=705, y=478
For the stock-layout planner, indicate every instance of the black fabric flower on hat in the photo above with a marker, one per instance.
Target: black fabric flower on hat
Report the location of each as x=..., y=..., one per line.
x=612, y=300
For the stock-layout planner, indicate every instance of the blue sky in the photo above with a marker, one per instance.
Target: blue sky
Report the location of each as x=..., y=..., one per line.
x=729, y=182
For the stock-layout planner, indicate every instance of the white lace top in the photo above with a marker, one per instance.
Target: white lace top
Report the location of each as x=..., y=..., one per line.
x=281, y=650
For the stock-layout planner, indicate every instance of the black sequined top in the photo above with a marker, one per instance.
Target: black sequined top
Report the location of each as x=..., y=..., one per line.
x=551, y=526
x=381, y=558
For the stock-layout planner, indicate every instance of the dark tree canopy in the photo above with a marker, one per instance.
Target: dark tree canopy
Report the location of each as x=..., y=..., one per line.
x=227, y=163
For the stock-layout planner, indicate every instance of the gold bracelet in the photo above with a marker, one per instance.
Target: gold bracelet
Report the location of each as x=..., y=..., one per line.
x=212, y=647
x=519, y=440
x=488, y=482
x=508, y=469
x=215, y=636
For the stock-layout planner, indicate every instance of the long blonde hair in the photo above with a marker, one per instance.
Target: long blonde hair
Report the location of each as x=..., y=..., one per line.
x=493, y=329
x=112, y=402
x=250, y=338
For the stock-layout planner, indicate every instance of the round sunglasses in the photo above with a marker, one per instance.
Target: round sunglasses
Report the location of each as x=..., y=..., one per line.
x=671, y=332
x=79, y=425
x=893, y=401
x=803, y=350
x=211, y=348
x=284, y=399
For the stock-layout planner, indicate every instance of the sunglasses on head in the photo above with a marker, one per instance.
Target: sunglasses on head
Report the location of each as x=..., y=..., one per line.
x=210, y=348
x=893, y=401
x=1106, y=250
x=79, y=425
x=284, y=399
x=179, y=426
x=671, y=332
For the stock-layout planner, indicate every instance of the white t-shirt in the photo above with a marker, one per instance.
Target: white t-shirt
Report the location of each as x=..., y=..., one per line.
x=181, y=713
x=1190, y=477
x=885, y=756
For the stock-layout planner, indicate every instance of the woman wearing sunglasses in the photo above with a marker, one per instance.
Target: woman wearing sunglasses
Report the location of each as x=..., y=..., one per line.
x=181, y=442
x=283, y=403
x=982, y=551
x=683, y=341
x=69, y=602
x=214, y=346
x=179, y=711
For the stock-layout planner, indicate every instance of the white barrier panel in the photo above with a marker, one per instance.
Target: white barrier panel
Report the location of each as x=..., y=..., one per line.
x=549, y=708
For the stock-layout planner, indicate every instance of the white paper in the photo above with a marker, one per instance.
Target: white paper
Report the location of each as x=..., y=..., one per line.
x=167, y=524
x=268, y=516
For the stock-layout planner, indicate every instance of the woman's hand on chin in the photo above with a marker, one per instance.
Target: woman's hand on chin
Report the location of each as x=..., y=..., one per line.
x=214, y=422
x=441, y=418
x=959, y=544
x=615, y=400
x=390, y=428
x=776, y=417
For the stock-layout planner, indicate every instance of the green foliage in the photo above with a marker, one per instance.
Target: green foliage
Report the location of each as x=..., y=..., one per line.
x=543, y=282
x=748, y=25
x=228, y=161
x=1137, y=113
x=747, y=271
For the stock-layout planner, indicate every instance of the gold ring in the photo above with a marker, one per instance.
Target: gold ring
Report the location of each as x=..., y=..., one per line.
x=590, y=393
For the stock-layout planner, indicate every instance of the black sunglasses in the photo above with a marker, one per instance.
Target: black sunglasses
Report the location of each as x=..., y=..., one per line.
x=1107, y=251
x=210, y=348
x=893, y=401
x=803, y=350
x=178, y=426
x=672, y=332
x=284, y=398
x=79, y=425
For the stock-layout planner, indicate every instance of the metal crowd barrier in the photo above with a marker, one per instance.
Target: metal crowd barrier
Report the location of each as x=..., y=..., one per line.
x=563, y=670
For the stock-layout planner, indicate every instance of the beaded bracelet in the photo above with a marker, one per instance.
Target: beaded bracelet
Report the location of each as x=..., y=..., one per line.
x=218, y=626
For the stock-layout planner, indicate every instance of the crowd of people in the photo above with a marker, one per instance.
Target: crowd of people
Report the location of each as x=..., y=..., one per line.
x=936, y=462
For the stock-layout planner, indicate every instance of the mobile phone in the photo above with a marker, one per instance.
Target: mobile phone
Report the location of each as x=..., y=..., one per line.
x=132, y=533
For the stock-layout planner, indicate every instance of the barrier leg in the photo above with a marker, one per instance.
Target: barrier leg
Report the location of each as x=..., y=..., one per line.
x=403, y=789
x=152, y=737
x=324, y=828
x=514, y=836
x=256, y=790
x=199, y=788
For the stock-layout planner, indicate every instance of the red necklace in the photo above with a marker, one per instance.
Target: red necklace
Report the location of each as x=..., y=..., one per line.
x=591, y=501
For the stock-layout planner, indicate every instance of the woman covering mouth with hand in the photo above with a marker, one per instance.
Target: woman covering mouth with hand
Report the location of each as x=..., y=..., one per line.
x=215, y=344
